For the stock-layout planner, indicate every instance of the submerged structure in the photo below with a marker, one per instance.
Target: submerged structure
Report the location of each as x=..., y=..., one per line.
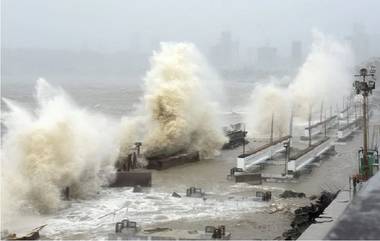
x=261, y=154
x=129, y=230
x=194, y=192
x=236, y=136
x=33, y=235
x=130, y=172
x=164, y=162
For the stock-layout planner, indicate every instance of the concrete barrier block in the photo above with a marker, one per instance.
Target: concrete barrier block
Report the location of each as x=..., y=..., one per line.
x=133, y=178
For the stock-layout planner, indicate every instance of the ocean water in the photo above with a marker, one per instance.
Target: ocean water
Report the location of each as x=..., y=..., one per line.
x=83, y=219
x=227, y=203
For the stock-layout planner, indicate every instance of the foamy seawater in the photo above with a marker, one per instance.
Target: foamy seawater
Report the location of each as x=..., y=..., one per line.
x=96, y=217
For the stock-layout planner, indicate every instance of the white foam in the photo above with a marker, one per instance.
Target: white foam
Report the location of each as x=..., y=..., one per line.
x=179, y=108
x=87, y=217
x=57, y=145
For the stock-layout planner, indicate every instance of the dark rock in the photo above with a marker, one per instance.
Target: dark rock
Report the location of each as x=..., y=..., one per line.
x=313, y=197
x=304, y=216
x=291, y=234
x=174, y=194
x=291, y=194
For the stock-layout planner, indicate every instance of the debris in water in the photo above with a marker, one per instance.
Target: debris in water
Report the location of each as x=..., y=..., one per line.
x=34, y=235
x=194, y=192
x=174, y=194
x=164, y=162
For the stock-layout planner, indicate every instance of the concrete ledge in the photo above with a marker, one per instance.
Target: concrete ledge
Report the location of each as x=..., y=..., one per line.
x=312, y=154
x=133, y=178
x=167, y=162
x=261, y=154
x=360, y=220
x=328, y=219
x=253, y=178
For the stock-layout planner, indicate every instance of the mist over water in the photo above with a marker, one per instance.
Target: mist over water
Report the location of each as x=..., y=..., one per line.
x=57, y=145
x=267, y=100
x=178, y=111
x=325, y=76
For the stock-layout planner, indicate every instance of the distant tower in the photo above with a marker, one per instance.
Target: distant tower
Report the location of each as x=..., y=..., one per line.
x=296, y=53
x=225, y=52
x=226, y=38
x=226, y=48
x=266, y=57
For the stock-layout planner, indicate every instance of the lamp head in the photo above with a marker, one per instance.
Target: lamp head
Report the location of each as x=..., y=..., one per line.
x=372, y=69
x=371, y=84
x=363, y=72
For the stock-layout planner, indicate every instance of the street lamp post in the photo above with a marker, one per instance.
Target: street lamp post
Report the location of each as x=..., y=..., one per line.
x=287, y=150
x=365, y=87
x=271, y=129
x=310, y=111
x=244, y=133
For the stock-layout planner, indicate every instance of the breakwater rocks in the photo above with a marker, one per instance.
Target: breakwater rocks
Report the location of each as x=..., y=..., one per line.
x=304, y=216
x=291, y=194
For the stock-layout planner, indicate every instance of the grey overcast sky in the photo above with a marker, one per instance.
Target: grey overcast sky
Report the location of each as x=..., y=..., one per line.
x=112, y=25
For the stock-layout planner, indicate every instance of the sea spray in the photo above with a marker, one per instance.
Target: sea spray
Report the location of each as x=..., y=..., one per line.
x=179, y=107
x=324, y=77
x=58, y=145
x=267, y=101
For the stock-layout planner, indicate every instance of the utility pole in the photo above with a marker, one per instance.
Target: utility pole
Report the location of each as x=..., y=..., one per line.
x=365, y=88
x=320, y=117
x=344, y=98
x=244, y=133
x=138, y=147
x=365, y=135
x=271, y=130
x=310, y=125
x=348, y=113
x=291, y=126
x=288, y=144
x=337, y=114
x=325, y=124
x=356, y=113
x=287, y=151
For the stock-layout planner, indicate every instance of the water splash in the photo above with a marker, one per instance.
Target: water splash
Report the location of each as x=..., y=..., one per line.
x=178, y=110
x=325, y=76
x=57, y=145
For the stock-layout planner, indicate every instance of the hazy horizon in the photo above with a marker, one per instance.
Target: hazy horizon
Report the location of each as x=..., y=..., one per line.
x=122, y=25
x=113, y=40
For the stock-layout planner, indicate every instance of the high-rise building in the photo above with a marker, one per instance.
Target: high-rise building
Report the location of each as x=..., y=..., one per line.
x=296, y=53
x=225, y=53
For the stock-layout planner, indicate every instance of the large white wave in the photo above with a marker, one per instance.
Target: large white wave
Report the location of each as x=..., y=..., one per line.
x=179, y=108
x=57, y=145
x=325, y=76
